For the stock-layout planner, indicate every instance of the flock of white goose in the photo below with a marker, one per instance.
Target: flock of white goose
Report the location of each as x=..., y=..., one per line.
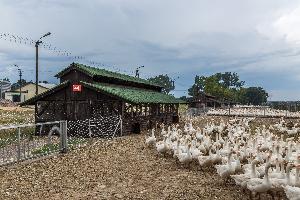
x=256, y=160
x=253, y=111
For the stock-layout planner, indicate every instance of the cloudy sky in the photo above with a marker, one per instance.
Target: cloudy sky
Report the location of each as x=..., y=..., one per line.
x=260, y=40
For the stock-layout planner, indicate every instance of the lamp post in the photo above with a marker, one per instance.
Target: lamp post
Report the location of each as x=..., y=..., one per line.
x=137, y=71
x=37, y=43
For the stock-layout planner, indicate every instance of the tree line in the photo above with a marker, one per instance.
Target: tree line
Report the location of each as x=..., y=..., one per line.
x=224, y=86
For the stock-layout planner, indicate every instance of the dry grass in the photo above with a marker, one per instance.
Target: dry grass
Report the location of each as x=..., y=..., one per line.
x=16, y=115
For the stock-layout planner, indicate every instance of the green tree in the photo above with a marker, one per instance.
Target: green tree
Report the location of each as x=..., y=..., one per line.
x=197, y=87
x=255, y=95
x=16, y=85
x=184, y=98
x=165, y=81
x=228, y=86
x=229, y=80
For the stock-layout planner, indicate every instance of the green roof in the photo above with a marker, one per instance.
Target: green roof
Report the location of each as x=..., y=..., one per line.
x=93, y=71
x=32, y=100
x=133, y=95
x=128, y=94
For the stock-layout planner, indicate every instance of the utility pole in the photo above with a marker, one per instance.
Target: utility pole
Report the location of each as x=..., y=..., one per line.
x=173, y=81
x=20, y=81
x=37, y=43
x=137, y=71
x=20, y=74
x=1, y=89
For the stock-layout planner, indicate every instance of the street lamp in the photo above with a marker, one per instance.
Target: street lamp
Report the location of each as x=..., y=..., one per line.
x=37, y=43
x=137, y=71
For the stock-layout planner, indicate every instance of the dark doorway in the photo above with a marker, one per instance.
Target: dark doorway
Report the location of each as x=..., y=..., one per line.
x=136, y=128
x=149, y=124
x=175, y=119
x=16, y=98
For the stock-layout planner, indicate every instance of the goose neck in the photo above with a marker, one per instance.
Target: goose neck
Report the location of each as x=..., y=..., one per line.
x=297, y=174
x=266, y=177
x=229, y=157
x=253, y=163
x=288, y=178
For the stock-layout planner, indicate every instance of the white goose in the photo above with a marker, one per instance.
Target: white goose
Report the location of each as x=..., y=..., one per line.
x=206, y=161
x=151, y=140
x=161, y=146
x=292, y=193
x=242, y=179
x=226, y=170
x=257, y=185
x=185, y=157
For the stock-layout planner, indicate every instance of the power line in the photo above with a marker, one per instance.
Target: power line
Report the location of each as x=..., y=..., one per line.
x=59, y=52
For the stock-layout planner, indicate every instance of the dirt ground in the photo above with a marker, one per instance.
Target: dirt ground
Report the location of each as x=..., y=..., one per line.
x=16, y=108
x=120, y=169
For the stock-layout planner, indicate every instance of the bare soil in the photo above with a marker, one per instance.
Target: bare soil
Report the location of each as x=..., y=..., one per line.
x=119, y=169
x=122, y=168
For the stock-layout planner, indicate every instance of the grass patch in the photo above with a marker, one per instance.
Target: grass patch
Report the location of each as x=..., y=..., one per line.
x=16, y=117
x=48, y=148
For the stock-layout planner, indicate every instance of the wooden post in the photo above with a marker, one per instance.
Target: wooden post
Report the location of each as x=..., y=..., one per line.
x=122, y=117
x=63, y=137
x=19, y=144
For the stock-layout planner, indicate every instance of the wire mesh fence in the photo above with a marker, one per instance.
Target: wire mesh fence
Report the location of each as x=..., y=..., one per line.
x=23, y=142
x=257, y=111
x=100, y=127
x=29, y=141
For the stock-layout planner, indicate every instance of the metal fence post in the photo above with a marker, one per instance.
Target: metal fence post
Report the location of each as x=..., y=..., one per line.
x=121, y=125
x=19, y=144
x=90, y=130
x=64, y=137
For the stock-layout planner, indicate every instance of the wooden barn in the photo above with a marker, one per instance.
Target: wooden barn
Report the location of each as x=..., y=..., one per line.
x=87, y=93
x=203, y=101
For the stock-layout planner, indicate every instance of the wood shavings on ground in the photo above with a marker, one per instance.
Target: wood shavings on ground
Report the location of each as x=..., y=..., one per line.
x=123, y=168
x=120, y=169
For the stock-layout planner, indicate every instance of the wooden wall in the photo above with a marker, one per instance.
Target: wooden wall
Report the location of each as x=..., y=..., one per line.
x=65, y=104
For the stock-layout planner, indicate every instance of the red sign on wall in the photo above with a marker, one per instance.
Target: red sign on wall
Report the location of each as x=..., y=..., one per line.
x=77, y=88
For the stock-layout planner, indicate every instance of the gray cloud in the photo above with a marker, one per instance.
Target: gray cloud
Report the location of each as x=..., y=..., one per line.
x=257, y=39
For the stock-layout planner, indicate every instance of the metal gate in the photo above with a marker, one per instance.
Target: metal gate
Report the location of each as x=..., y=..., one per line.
x=23, y=142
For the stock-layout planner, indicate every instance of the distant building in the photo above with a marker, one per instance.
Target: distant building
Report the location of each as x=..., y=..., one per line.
x=27, y=92
x=204, y=100
x=4, y=86
x=201, y=103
